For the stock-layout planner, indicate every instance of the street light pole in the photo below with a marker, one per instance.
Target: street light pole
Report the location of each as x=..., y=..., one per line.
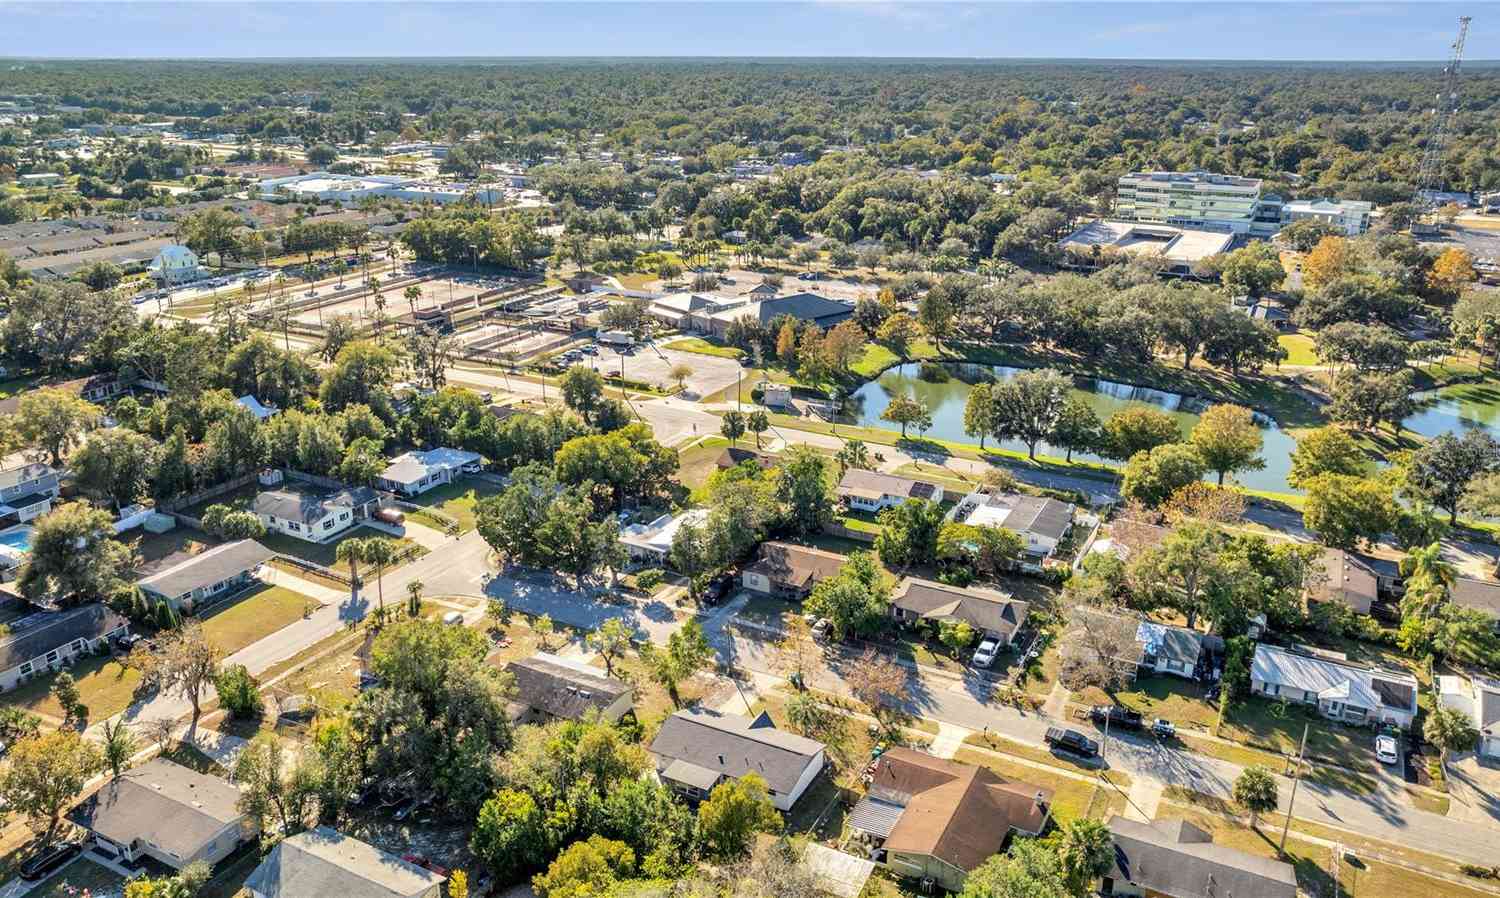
x=1296, y=779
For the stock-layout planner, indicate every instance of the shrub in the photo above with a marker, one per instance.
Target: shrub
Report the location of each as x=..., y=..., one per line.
x=933, y=373
x=238, y=692
x=650, y=578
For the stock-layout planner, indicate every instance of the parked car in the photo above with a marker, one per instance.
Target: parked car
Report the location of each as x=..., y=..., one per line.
x=49, y=861
x=1387, y=749
x=1116, y=717
x=1072, y=741
x=985, y=654
x=367, y=680
x=1163, y=729
x=129, y=641
x=821, y=629
x=453, y=618
x=715, y=588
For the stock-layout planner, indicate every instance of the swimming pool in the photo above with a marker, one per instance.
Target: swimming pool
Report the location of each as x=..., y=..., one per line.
x=17, y=541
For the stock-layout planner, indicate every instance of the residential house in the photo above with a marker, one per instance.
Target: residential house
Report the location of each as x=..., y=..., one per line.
x=1145, y=647
x=1041, y=523
x=175, y=264
x=733, y=456
x=988, y=611
x=98, y=388
x=1477, y=595
x=324, y=861
x=27, y=492
x=208, y=576
x=51, y=640
x=414, y=473
x=1345, y=579
x=552, y=688
x=254, y=406
x=696, y=749
x=1271, y=313
x=1341, y=690
x=789, y=570
x=311, y=514
x=933, y=819
x=1175, y=859
x=873, y=491
x=809, y=307
x=167, y=812
x=1477, y=698
x=651, y=543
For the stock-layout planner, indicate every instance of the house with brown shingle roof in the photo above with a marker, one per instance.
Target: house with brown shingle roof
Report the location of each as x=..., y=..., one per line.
x=936, y=819
x=990, y=612
x=789, y=570
x=1344, y=579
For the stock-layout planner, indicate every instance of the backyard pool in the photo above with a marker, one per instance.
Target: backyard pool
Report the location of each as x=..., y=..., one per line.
x=16, y=541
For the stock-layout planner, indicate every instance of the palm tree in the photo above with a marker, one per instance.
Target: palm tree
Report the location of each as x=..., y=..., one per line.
x=412, y=294
x=373, y=284
x=351, y=552
x=414, y=598
x=339, y=267
x=380, y=552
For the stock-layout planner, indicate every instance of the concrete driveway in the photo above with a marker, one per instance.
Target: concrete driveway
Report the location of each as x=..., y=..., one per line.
x=1474, y=789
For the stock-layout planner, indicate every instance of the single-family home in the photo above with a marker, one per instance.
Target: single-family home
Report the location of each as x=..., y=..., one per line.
x=208, y=576
x=651, y=542
x=325, y=862
x=788, y=570
x=873, y=491
x=167, y=812
x=1175, y=859
x=175, y=264
x=1141, y=646
x=990, y=612
x=549, y=687
x=1340, y=689
x=1478, y=595
x=311, y=514
x=1342, y=577
x=414, y=473
x=929, y=818
x=1041, y=523
x=256, y=408
x=50, y=640
x=1271, y=313
x=1477, y=698
x=27, y=492
x=697, y=748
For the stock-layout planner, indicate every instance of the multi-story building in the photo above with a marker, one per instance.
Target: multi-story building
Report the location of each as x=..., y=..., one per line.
x=1351, y=216
x=1198, y=200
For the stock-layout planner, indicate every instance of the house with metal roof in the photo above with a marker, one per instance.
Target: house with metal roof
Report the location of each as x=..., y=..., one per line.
x=50, y=640
x=935, y=820
x=1175, y=859
x=208, y=576
x=789, y=570
x=1340, y=689
x=324, y=861
x=549, y=687
x=167, y=812
x=989, y=611
x=414, y=473
x=697, y=748
x=1042, y=523
x=312, y=514
x=256, y=408
x=873, y=491
x=1477, y=698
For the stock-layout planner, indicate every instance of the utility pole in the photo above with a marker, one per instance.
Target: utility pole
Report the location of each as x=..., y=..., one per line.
x=1104, y=746
x=1296, y=779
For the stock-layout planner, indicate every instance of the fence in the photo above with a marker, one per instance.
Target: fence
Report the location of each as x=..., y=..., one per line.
x=447, y=523
x=209, y=492
x=315, y=479
x=312, y=567
x=835, y=528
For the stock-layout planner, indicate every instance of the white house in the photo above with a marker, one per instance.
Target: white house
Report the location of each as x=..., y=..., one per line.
x=1351, y=216
x=1341, y=690
x=49, y=640
x=27, y=492
x=208, y=576
x=1042, y=523
x=312, y=515
x=40, y=179
x=175, y=264
x=414, y=473
x=873, y=491
x=696, y=749
x=167, y=812
x=651, y=543
x=261, y=412
x=1478, y=699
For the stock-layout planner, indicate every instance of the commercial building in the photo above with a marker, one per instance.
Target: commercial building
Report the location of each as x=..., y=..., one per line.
x=1350, y=216
x=167, y=812
x=696, y=749
x=49, y=640
x=1100, y=243
x=329, y=187
x=1198, y=200
x=1341, y=690
x=810, y=307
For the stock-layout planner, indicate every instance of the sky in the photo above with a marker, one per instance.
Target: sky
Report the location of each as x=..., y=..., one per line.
x=1108, y=29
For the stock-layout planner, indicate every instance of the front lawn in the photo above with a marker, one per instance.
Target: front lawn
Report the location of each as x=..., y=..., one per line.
x=105, y=686
x=82, y=877
x=326, y=554
x=457, y=500
x=1299, y=349
x=703, y=347
x=1072, y=798
x=254, y=615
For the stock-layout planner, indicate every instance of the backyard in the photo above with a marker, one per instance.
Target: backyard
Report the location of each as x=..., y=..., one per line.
x=456, y=500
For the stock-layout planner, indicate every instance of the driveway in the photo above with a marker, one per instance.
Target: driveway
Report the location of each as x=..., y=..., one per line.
x=1474, y=789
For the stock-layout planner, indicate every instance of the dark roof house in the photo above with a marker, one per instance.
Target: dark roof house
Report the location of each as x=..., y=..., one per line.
x=167, y=811
x=986, y=610
x=553, y=687
x=787, y=567
x=325, y=862
x=1346, y=579
x=696, y=748
x=66, y=633
x=207, y=571
x=1175, y=859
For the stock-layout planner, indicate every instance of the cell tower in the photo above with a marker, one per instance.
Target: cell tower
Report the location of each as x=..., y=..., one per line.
x=1429, y=175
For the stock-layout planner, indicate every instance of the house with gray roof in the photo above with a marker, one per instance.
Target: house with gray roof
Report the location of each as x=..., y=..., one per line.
x=1042, y=523
x=1175, y=859
x=873, y=491
x=1346, y=579
x=167, y=812
x=208, y=576
x=1477, y=698
x=313, y=514
x=696, y=749
x=1478, y=595
x=549, y=687
x=1145, y=646
x=414, y=473
x=50, y=640
x=26, y=492
x=324, y=861
x=809, y=307
x=990, y=612
x=1341, y=689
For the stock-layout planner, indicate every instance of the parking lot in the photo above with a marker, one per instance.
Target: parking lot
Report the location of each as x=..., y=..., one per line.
x=651, y=364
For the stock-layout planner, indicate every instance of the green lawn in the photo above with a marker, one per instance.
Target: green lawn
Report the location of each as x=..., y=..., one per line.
x=326, y=554
x=1299, y=349
x=254, y=615
x=697, y=463
x=457, y=500
x=1071, y=798
x=878, y=357
x=104, y=685
x=703, y=347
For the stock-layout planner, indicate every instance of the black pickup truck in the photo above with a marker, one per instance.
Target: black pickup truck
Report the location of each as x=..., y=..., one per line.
x=1072, y=741
x=1117, y=717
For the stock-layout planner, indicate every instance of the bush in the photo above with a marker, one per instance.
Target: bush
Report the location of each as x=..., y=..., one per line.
x=238, y=692
x=1479, y=872
x=933, y=373
x=650, y=578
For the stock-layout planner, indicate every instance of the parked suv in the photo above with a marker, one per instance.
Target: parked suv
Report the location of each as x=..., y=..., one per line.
x=1072, y=741
x=1116, y=716
x=984, y=655
x=48, y=861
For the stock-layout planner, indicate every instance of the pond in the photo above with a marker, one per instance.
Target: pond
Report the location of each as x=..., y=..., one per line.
x=1456, y=408
x=946, y=402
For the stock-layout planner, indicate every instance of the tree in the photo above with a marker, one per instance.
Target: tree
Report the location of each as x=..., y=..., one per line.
x=74, y=556
x=362, y=374
x=115, y=465
x=1030, y=868
x=239, y=694
x=1442, y=469
x=757, y=422
x=802, y=491
x=582, y=390
x=688, y=651
x=853, y=454
x=957, y=635
x=65, y=691
x=1087, y=852
x=736, y=810
x=351, y=551
x=276, y=790
x=189, y=664
x=1077, y=429
x=1341, y=510
x=906, y=411
x=1452, y=271
x=510, y=835
x=610, y=639
x=909, y=533
x=855, y=600
x=1255, y=791
x=54, y=421
x=585, y=869
x=879, y=682
x=1152, y=477
x=1450, y=730
x=979, y=412
x=1325, y=450
x=681, y=372
x=1367, y=400
x=118, y=746
x=1252, y=270
x=381, y=553
x=1138, y=429
x=733, y=426
x=44, y=774
x=1331, y=259
x=898, y=332
x=1228, y=440
x=458, y=884
x=1027, y=406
